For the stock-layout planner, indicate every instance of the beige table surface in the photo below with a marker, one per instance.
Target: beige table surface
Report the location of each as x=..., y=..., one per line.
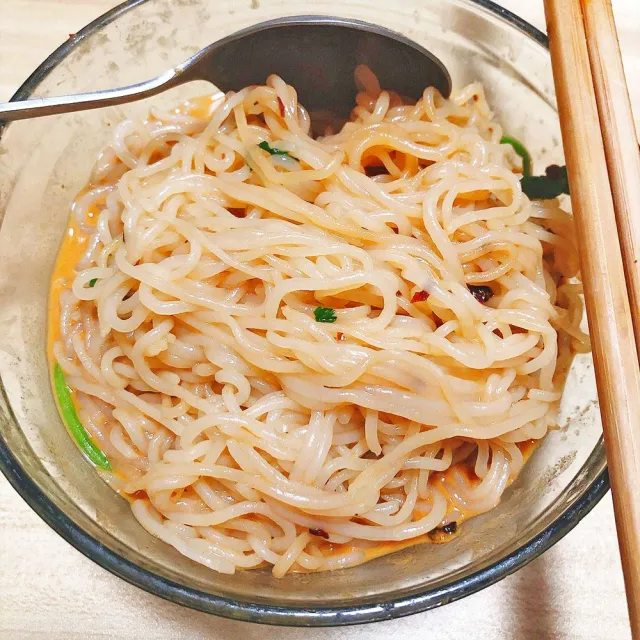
x=49, y=590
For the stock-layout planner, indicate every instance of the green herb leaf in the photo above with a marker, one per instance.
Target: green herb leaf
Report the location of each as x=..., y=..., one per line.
x=521, y=150
x=551, y=185
x=325, y=314
x=273, y=151
x=92, y=282
x=73, y=423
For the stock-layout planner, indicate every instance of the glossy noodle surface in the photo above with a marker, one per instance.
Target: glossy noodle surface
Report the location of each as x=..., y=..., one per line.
x=304, y=353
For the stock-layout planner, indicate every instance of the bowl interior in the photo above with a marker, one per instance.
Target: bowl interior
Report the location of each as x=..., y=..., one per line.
x=44, y=162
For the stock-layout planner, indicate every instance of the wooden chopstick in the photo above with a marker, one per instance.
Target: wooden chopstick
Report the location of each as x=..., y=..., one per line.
x=623, y=165
x=620, y=140
x=608, y=310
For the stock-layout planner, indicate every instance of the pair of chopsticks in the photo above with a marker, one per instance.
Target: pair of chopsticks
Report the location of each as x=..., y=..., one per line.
x=603, y=164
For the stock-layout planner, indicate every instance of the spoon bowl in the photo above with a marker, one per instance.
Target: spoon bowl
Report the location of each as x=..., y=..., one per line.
x=315, y=54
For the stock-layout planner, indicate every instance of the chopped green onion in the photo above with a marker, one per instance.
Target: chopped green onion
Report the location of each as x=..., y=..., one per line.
x=521, y=150
x=92, y=282
x=273, y=151
x=325, y=314
x=551, y=185
x=73, y=423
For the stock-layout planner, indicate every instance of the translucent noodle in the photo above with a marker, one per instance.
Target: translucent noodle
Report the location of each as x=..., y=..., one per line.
x=281, y=347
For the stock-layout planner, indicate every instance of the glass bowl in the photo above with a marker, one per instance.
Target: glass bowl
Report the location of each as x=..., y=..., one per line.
x=45, y=162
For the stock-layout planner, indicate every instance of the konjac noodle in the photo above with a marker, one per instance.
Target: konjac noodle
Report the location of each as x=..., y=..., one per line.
x=304, y=352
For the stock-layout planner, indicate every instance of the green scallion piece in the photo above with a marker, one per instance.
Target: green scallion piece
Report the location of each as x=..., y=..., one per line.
x=551, y=185
x=273, y=151
x=521, y=150
x=73, y=423
x=325, y=314
x=92, y=282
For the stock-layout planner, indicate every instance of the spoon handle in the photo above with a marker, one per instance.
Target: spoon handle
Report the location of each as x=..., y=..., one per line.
x=36, y=107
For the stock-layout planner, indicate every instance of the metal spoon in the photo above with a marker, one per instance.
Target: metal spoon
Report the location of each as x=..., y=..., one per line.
x=315, y=54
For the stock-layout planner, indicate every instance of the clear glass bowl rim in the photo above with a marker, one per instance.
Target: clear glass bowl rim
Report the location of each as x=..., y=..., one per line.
x=273, y=614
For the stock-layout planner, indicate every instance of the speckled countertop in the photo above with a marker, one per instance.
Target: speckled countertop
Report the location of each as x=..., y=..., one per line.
x=49, y=590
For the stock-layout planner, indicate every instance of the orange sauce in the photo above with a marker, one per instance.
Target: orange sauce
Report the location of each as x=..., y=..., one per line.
x=72, y=248
x=438, y=535
x=471, y=196
x=74, y=244
x=200, y=107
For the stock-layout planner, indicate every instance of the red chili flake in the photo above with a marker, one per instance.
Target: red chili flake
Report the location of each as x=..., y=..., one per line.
x=475, y=98
x=482, y=293
x=281, y=105
x=419, y=296
x=449, y=529
x=498, y=333
x=72, y=35
x=376, y=170
x=340, y=336
x=437, y=321
x=238, y=212
x=319, y=532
